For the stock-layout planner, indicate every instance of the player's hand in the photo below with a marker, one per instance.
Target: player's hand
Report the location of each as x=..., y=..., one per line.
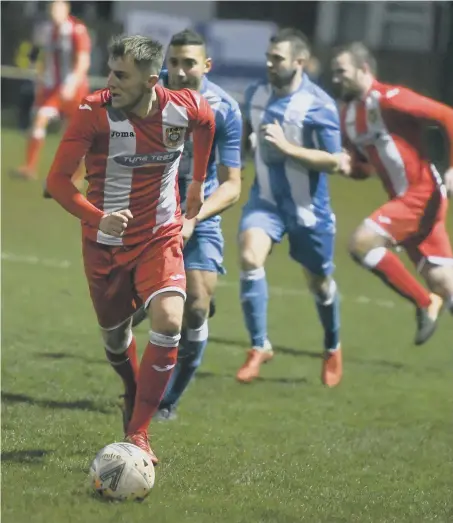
x=344, y=166
x=194, y=200
x=273, y=133
x=115, y=223
x=448, y=180
x=188, y=226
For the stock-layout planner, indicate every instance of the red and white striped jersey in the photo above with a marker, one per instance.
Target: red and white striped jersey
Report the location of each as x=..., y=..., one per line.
x=386, y=129
x=60, y=45
x=131, y=162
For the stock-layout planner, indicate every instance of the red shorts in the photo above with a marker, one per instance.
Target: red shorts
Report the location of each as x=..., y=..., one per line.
x=418, y=225
x=49, y=101
x=121, y=279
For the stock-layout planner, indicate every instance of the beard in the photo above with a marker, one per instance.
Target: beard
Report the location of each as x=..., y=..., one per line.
x=135, y=100
x=283, y=79
x=193, y=83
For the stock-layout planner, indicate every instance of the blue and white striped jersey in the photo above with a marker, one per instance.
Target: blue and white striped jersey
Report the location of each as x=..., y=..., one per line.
x=309, y=118
x=226, y=149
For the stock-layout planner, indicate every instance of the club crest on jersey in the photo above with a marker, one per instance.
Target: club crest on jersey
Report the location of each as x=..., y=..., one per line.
x=373, y=115
x=174, y=136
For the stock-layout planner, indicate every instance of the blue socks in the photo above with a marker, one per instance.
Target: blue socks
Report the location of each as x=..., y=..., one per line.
x=191, y=351
x=328, y=306
x=254, y=298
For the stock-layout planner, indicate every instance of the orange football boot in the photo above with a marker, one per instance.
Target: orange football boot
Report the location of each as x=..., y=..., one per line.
x=332, y=367
x=140, y=439
x=251, y=368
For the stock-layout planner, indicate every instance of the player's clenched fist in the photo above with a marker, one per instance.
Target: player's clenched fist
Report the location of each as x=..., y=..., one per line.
x=115, y=223
x=195, y=198
x=344, y=164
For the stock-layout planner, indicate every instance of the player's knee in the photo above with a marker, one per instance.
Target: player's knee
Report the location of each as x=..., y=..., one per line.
x=250, y=259
x=166, y=313
x=324, y=289
x=360, y=244
x=196, y=313
x=117, y=340
x=41, y=122
x=170, y=325
x=39, y=133
x=439, y=279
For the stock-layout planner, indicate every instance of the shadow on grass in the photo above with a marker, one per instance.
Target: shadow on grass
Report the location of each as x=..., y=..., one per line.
x=69, y=356
x=25, y=456
x=89, y=405
x=286, y=381
x=308, y=354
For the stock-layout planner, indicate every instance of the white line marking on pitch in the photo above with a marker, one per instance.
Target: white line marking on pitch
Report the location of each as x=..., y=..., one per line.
x=280, y=291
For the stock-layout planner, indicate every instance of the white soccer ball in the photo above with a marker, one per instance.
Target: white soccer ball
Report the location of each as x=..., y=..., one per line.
x=122, y=471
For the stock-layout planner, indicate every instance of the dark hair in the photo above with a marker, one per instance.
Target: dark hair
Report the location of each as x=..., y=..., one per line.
x=360, y=54
x=297, y=39
x=146, y=52
x=187, y=37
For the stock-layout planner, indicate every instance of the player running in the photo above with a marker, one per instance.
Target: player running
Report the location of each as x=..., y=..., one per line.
x=383, y=129
x=132, y=136
x=297, y=132
x=187, y=64
x=62, y=83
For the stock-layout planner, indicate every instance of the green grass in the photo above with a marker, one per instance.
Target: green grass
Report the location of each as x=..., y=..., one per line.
x=282, y=450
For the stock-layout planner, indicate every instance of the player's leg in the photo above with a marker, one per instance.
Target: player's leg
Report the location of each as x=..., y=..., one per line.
x=160, y=282
x=113, y=302
x=212, y=307
x=157, y=364
x=194, y=338
x=439, y=279
x=121, y=351
x=370, y=246
x=314, y=250
x=433, y=257
x=203, y=257
x=260, y=226
x=46, y=110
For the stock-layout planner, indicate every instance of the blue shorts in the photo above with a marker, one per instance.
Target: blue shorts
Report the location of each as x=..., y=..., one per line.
x=311, y=247
x=204, y=250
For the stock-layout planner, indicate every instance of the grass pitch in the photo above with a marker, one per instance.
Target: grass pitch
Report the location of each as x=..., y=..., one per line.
x=282, y=450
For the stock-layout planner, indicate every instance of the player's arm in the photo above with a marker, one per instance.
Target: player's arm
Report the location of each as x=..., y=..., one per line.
x=203, y=137
x=76, y=142
x=203, y=126
x=229, y=167
x=315, y=159
x=328, y=156
x=82, y=59
x=414, y=104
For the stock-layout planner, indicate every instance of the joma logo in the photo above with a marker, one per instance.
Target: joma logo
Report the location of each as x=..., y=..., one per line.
x=122, y=134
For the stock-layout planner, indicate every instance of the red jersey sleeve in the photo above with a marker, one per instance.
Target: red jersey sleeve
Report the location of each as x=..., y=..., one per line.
x=203, y=126
x=82, y=41
x=411, y=103
x=75, y=143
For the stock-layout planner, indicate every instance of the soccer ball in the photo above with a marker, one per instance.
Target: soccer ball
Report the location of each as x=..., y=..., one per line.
x=122, y=471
